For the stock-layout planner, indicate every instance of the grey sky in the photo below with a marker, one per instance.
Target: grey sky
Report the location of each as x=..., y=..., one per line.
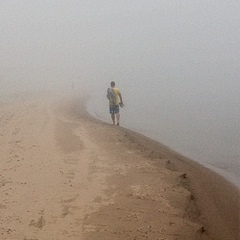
x=53, y=42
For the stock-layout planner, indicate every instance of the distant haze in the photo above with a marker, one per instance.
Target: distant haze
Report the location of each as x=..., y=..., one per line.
x=188, y=44
x=176, y=62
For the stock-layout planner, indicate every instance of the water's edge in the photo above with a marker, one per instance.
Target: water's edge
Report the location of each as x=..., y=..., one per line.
x=231, y=177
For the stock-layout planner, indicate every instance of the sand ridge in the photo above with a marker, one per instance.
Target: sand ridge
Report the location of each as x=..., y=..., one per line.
x=65, y=175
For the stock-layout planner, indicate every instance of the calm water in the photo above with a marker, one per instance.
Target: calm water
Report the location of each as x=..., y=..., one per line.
x=201, y=123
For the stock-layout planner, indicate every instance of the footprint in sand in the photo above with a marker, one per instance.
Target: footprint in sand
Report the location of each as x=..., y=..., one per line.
x=40, y=223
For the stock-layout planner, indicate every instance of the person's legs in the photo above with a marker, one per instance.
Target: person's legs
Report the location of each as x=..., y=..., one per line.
x=111, y=110
x=118, y=117
x=113, y=118
x=114, y=110
x=117, y=113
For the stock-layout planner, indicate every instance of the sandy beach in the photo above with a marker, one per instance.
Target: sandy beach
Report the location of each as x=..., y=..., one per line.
x=65, y=175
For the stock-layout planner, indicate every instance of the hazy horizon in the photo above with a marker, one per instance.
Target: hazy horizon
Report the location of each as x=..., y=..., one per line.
x=49, y=43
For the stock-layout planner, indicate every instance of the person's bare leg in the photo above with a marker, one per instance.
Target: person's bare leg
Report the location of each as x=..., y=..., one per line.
x=118, y=118
x=113, y=118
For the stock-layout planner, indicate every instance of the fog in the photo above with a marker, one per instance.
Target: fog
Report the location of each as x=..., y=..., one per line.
x=176, y=62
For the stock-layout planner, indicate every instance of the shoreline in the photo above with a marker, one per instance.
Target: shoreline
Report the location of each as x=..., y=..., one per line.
x=205, y=183
x=229, y=176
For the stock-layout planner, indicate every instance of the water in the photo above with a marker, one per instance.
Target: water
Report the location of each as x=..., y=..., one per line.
x=203, y=126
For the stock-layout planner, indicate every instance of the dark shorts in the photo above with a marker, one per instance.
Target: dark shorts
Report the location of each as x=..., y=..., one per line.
x=113, y=109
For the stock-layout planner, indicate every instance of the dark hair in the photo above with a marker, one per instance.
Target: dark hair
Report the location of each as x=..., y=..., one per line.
x=112, y=84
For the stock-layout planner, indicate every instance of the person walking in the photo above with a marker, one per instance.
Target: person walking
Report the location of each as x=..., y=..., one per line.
x=114, y=95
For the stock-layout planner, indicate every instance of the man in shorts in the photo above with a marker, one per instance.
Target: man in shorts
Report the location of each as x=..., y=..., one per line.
x=114, y=95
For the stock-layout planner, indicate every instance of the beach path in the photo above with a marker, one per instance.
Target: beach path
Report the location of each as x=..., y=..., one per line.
x=64, y=176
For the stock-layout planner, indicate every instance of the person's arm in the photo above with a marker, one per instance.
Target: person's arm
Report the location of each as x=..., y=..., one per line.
x=120, y=96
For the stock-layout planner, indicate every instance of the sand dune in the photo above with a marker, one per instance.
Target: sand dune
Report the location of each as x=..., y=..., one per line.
x=65, y=175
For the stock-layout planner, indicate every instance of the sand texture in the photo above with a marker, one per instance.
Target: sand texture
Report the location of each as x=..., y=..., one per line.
x=67, y=176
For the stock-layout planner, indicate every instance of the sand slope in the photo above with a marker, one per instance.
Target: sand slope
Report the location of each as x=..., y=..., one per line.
x=64, y=175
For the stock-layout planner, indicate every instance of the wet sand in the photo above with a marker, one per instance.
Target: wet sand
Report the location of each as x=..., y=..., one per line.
x=65, y=175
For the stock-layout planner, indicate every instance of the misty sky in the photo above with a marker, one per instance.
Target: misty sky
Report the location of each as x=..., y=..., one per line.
x=176, y=43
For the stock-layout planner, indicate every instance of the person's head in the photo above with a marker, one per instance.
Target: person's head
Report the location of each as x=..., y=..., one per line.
x=112, y=84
